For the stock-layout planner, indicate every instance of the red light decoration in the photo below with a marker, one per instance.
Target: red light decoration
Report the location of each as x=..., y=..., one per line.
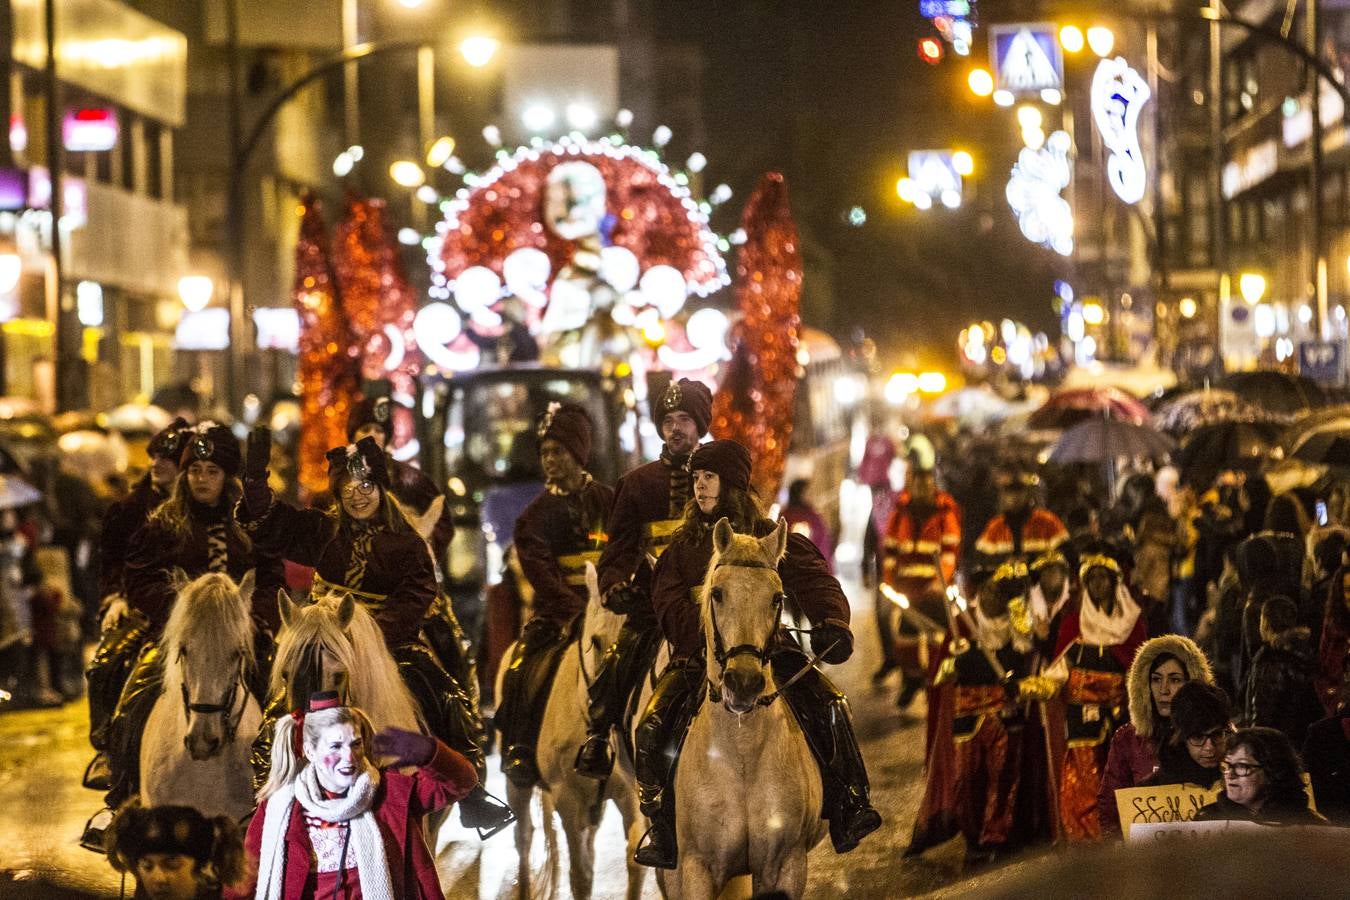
x=326, y=373
x=930, y=50
x=379, y=306
x=754, y=403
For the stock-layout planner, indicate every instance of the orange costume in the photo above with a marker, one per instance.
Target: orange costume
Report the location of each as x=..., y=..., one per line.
x=917, y=539
x=1004, y=538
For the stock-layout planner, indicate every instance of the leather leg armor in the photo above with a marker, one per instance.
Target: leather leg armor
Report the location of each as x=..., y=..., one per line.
x=823, y=714
x=107, y=674
x=660, y=736
x=525, y=690
x=128, y=724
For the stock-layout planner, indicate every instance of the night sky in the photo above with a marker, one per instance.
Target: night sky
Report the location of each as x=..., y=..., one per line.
x=835, y=95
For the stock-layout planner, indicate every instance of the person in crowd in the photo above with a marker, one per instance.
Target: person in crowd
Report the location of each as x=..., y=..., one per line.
x=922, y=549
x=874, y=471
x=721, y=489
x=649, y=503
x=1325, y=550
x=559, y=533
x=1145, y=526
x=1334, y=644
x=1185, y=602
x=1286, y=515
x=367, y=545
x=1262, y=782
x=1159, y=670
x=1279, y=691
x=1050, y=597
x=1200, y=728
x=330, y=823
x=123, y=635
x=176, y=853
x=975, y=772
x=1326, y=752
x=805, y=519
x=1097, y=643
x=1021, y=530
x=20, y=582
x=194, y=531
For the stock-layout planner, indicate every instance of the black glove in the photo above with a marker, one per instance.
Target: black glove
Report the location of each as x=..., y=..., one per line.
x=408, y=748
x=259, y=453
x=622, y=599
x=832, y=643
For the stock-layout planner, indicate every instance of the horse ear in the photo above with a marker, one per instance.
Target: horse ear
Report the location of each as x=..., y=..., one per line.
x=346, y=610
x=722, y=535
x=425, y=523
x=592, y=582
x=178, y=579
x=286, y=607
x=247, y=584
x=775, y=543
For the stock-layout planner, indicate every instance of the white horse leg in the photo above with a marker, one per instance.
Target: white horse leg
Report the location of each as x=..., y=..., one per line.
x=519, y=800
x=620, y=790
x=574, y=811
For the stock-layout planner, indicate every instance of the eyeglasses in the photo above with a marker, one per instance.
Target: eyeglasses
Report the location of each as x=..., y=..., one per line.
x=364, y=488
x=1209, y=737
x=1240, y=769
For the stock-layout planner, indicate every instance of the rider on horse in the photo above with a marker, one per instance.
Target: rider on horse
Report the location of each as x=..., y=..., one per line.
x=558, y=534
x=721, y=487
x=123, y=634
x=194, y=531
x=648, y=505
x=366, y=546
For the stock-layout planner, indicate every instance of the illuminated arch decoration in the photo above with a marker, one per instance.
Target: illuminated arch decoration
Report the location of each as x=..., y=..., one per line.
x=653, y=247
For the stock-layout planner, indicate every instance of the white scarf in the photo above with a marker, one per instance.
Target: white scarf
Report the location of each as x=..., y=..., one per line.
x=1041, y=611
x=1098, y=628
x=354, y=808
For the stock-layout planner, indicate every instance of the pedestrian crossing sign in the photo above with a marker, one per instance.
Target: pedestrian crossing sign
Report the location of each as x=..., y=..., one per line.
x=1026, y=58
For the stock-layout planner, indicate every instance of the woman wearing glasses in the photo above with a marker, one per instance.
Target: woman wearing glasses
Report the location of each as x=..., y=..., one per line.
x=1262, y=782
x=365, y=544
x=1200, y=729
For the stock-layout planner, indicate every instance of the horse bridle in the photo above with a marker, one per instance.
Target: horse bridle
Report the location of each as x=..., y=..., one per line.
x=225, y=708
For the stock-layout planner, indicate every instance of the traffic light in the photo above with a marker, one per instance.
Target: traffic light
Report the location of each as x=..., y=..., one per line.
x=930, y=50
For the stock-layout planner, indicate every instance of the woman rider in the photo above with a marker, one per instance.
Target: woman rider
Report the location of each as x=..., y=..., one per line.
x=367, y=546
x=721, y=488
x=194, y=530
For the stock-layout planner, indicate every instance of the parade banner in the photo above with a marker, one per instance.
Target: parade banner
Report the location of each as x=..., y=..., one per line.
x=1162, y=831
x=1160, y=805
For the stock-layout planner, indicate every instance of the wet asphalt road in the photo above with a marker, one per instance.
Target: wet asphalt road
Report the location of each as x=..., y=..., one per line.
x=43, y=807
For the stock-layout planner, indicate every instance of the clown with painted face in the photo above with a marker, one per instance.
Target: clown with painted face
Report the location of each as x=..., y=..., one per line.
x=366, y=545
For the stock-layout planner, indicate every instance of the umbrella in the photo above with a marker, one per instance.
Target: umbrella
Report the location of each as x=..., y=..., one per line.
x=1332, y=418
x=1226, y=445
x=975, y=405
x=1196, y=409
x=138, y=419
x=1068, y=408
x=92, y=455
x=15, y=492
x=1278, y=392
x=1102, y=440
x=27, y=427
x=1325, y=448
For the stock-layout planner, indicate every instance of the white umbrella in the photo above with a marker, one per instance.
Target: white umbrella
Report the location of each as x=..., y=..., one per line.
x=15, y=492
x=138, y=418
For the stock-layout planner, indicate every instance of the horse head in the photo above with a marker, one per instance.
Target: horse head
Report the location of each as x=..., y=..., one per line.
x=742, y=603
x=208, y=650
x=600, y=628
x=314, y=648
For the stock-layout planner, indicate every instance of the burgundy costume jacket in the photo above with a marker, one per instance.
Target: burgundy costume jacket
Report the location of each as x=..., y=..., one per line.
x=555, y=537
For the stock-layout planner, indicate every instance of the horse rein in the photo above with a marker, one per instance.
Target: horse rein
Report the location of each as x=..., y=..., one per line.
x=226, y=707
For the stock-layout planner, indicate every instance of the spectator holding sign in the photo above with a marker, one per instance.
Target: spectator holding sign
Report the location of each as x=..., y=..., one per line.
x=1262, y=781
x=1200, y=729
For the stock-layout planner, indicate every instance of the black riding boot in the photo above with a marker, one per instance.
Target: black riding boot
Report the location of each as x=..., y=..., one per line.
x=107, y=675
x=451, y=716
x=619, y=675
x=660, y=735
x=822, y=712
x=525, y=690
x=128, y=724
x=446, y=639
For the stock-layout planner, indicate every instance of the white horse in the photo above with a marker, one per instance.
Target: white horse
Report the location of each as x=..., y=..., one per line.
x=205, y=705
x=578, y=801
x=747, y=791
x=334, y=644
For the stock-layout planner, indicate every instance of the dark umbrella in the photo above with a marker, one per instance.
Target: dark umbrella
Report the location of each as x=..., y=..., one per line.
x=1226, y=445
x=1278, y=392
x=1067, y=408
x=1102, y=440
x=1182, y=415
x=1325, y=448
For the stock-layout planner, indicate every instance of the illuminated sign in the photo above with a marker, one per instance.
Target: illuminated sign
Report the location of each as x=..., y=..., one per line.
x=1118, y=96
x=205, y=329
x=89, y=129
x=1034, y=194
x=278, y=328
x=1026, y=59
x=934, y=174
x=956, y=9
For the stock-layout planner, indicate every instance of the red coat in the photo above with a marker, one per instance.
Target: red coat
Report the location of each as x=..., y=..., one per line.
x=1130, y=760
x=911, y=545
x=1041, y=532
x=400, y=803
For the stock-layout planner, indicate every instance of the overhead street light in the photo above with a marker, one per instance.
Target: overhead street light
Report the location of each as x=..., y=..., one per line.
x=196, y=291
x=407, y=173
x=963, y=163
x=1252, y=287
x=1071, y=38
x=479, y=50
x=981, y=82
x=1101, y=39
x=440, y=151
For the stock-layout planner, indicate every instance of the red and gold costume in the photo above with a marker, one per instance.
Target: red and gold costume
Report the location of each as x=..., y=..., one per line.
x=922, y=548
x=1005, y=537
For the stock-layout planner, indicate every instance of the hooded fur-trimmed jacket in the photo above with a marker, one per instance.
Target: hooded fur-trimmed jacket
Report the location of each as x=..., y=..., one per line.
x=1134, y=747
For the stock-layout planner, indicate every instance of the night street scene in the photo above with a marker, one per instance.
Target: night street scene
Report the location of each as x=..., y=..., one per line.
x=490, y=449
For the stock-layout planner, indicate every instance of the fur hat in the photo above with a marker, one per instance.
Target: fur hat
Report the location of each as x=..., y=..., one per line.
x=728, y=459
x=209, y=442
x=686, y=395
x=168, y=443
x=372, y=411
x=362, y=461
x=569, y=425
x=1186, y=651
x=1198, y=707
x=180, y=830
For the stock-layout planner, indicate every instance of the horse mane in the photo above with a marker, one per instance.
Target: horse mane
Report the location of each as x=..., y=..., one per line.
x=210, y=610
x=373, y=680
